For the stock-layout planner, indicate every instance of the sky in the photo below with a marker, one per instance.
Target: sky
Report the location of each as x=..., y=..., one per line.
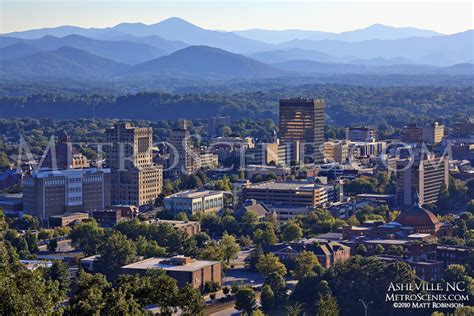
x=324, y=15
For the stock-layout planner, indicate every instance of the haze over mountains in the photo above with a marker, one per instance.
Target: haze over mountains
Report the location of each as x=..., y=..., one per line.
x=177, y=48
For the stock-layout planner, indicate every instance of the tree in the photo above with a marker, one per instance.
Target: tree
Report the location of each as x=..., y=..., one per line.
x=368, y=277
x=353, y=221
x=270, y=263
x=59, y=272
x=27, y=222
x=89, y=298
x=304, y=265
x=4, y=163
x=294, y=310
x=229, y=247
x=163, y=291
x=245, y=300
x=181, y=216
x=115, y=252
x=265, y=235
x=118, y=302
x=190, y=301
x=201, y=239
x=328, y=306
x=22, y=291
x=278, y=285
x=457, y=273
x=87, y=236
x=379, y=249
x=361, y=250
x=444, y=199
x=292, y=232
x=211, y=287
x=52, y=245
x=149, y=248
x=267, y=298
x=395, y=250
x=211, y=252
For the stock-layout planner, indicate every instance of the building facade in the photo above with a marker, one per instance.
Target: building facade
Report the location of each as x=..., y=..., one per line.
x=64, y=156
x=47, y=192
x=303, y=120
x=422, y=175
x=286, y=193
x=184, y=270
x=360, y=134
x=136, y=179
x=215, y=123
x=433, y=133
x=195, y=201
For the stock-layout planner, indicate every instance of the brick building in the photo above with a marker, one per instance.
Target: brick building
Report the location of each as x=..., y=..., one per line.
x=184, y=270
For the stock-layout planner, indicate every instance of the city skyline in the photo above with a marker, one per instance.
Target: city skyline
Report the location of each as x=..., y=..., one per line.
x=440, y=16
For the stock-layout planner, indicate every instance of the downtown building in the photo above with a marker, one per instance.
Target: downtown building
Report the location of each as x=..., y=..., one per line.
x=183, y=159
x=360, y=134
x=135, y=179
x=306, y=195
x=422, y=175
x=195, y=201
x=56, y=192
x=302, y=120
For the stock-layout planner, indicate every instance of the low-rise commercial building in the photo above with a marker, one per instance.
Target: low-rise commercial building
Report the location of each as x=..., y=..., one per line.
x=360, y=133
x=194, y=201
x=189, y=227
x=184, y=270
x=287, y=193
x=67, y=219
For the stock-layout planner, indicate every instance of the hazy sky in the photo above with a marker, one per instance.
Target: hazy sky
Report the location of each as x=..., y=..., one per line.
x=335, y=16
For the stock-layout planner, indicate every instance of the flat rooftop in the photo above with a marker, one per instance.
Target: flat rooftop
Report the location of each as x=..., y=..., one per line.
x=370, y=195
x=164, y=263
x=172, y=222
x=387, y=241
x=285, y=186
x=45, y=173
x=76, y=214
x=193, y=194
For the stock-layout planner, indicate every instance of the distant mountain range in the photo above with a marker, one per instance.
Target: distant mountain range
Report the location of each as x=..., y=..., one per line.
x=376, y=31
x=65, y=62
x=205, y=60
x=175, y=47
x=198, y=62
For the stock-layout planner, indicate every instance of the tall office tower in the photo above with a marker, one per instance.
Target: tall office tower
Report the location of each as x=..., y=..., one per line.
x=216, y=122
x=302, y=120
x=136, y=179
x=181, y=154
x=433, y=133
x=421, y=175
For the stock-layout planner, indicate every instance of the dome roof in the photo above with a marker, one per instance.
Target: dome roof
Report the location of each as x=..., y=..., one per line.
x=417, y=216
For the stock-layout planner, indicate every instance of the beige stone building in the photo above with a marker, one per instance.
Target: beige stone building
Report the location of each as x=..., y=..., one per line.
x=136, y=179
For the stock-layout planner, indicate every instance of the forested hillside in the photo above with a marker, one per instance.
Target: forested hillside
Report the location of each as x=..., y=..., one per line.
x=383, y=106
